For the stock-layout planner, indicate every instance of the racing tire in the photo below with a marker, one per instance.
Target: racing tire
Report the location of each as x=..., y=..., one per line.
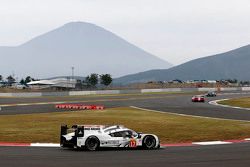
x=149, y=142
x=92, y=143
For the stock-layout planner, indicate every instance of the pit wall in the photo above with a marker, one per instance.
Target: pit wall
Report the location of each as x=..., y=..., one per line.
x=105, y=92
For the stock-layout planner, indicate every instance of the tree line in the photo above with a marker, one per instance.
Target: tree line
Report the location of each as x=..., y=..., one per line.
x=90, y=81
x=93, y=79
x=11, y=79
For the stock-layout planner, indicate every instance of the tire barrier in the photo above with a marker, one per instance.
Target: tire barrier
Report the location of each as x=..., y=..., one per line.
x=79, y=106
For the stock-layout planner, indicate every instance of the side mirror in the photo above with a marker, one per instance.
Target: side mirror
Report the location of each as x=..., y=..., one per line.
x=139, y=135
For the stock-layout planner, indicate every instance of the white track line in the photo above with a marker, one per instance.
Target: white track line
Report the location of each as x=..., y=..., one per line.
x=29, y=104
x=215, y=102
x=44, y=145
x=186, y=115
x=211, y=143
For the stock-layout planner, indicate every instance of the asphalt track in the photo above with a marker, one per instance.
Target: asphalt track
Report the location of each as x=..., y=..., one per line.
x=216, y=155
x=175, y=103
x=235, y=155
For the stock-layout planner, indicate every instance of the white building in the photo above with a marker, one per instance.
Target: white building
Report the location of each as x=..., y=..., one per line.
x=50, y=83
x=212, y=81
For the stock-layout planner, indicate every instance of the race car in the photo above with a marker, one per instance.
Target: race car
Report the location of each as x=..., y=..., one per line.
x=211, y=94
x=198, y=98
x=93, y=137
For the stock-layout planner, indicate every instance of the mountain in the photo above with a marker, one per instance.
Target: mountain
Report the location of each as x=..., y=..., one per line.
x=232, y=64
x=87, y=47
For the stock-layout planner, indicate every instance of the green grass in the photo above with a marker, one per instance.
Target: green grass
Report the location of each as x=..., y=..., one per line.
x=239, y=102
x=170, y=128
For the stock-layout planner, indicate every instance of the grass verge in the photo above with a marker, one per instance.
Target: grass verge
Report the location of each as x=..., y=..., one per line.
x=170, y=128
x=239, y=102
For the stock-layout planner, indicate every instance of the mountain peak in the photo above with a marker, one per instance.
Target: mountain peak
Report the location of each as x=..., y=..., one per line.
x=64, y=35
x=87, y=47
x=78, y=23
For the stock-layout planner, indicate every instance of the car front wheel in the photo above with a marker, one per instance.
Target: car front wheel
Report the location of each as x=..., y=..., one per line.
x=149, y=142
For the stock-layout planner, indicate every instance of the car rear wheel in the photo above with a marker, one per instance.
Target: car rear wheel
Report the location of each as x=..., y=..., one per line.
x=92, y=143
x=149, y=142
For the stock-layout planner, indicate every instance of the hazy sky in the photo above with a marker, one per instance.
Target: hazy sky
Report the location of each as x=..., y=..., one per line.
x=175, y=30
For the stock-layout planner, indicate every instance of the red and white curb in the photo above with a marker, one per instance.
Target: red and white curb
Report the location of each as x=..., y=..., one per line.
x=80, y=106
x=9, y=144
x=215, y=102
x=207, y=143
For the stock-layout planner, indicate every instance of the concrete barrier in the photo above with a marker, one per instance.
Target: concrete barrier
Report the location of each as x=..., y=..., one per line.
x=98, y=92
x=6, y=95
x=81, y=93
x=171, y=90
x=55, y=93
x=189, y=89
x=135, y=91
x=130, y=91
x=108, y=92
x=245, y=88
x=161, y=90
x=150, y=90
x=207, y=89
x=32, y=94
x=230, y=89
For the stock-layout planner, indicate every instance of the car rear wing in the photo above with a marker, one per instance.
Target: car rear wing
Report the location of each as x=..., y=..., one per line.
x=64, y=130
x=79, y=130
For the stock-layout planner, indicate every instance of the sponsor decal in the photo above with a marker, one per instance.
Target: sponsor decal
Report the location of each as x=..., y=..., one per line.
x=91, y=128
x=111, y=142
x=132, y=143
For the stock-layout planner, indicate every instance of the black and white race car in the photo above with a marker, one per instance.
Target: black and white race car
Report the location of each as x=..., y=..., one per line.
x=211, y=94
x=92, y=137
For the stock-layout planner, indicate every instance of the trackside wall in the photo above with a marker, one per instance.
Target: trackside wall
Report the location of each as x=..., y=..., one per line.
x=103, y=92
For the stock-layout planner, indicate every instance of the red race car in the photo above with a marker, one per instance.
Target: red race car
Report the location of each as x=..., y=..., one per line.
x=198, y=98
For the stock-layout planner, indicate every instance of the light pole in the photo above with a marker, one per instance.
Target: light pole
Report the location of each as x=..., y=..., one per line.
x=72, y=68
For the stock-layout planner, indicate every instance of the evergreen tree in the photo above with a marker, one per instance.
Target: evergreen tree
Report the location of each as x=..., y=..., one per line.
x=10, y=79
x=22, y=81
x=106, y=79
x=92, y=80
x=28, y=79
